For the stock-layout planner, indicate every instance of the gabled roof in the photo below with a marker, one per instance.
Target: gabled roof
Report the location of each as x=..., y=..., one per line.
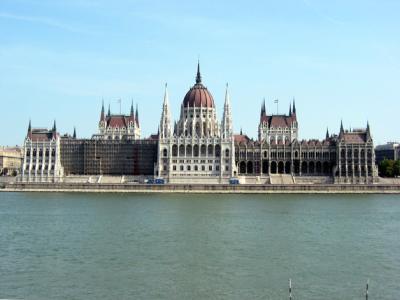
x=41, y=135
x=276, y=121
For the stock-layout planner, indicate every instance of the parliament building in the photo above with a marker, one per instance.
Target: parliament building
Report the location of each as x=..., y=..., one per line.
x=198, y=148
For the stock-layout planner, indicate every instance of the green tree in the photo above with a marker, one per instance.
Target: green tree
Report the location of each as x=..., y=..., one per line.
x=396, y=168
x=386, y=168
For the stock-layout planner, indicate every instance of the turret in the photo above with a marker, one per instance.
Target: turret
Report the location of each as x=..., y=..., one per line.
x=109, y=111
x=198, y=76
x=165, y=123
x=132, y=111
x=102, y=116
x=137, y=115
x=54, y=126
x=74, y=135
x=29, y=127
x=226, y=124
x=294, y=107
x=327, y=134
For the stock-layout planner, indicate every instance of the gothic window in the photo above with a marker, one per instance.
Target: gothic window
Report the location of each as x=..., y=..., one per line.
x=198, y=131
x=196, y=168
x=189, y=150
x=181, y=168
x=226, y=152
x=174, y=150
x=174, y=168
x=181, y=150
x=165, y=152
x=209, y=168
x=203, y=168
x=196, y=150
x=217, y=150
x=203, y=150
x=188, y=168
x=210, y=150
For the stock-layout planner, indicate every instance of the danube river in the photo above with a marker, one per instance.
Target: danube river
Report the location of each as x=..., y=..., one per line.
x=120, y=246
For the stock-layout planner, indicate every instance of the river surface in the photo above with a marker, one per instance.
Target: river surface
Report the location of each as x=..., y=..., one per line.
x=119, y=246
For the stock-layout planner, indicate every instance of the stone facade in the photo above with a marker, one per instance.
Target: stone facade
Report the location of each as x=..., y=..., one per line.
x=197, y=148
x=41, y=152
x=10, y=160
x=118, y=127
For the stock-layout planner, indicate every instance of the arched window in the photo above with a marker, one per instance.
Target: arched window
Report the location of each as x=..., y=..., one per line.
x=174, y=150
x=217, y=150
x=226, y=152
x=196, y=150
x=189, y=150
x=203, y=150
x=165, y=152
x=210, y=150
x=198, y=129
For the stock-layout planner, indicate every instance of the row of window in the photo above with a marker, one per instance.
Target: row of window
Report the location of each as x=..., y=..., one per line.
x=196, y=168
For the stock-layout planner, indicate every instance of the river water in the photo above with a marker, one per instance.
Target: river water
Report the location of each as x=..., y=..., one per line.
x=119, y=246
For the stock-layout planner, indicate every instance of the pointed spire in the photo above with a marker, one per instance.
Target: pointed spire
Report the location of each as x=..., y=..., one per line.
x=290, y=109
x=102, y=117
x=74, y=135
x=198, y=77
x=241, y=131
x=54, y=126
x=341, y=126
x=226, y=124
x=327, y=133
x=368, y=130
x=294, y=106
x=109, y=110
x=29, y=126
x=137, y=115
x=132, y=110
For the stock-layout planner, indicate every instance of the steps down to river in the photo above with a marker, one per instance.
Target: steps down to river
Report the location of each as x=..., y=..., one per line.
x=281, y=179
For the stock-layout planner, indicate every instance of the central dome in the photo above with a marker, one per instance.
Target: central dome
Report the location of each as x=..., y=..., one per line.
x=198, y=95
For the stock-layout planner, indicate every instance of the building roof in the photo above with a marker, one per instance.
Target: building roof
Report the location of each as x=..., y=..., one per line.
x=241, y=138
x=198, y=95
x=277, y=121
x=355, y=137
x=41, y=135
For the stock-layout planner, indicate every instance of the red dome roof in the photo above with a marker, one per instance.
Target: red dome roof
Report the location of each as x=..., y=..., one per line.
x=198, y=95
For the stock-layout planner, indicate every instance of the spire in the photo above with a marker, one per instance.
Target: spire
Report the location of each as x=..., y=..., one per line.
x=368, y=130
x=165, y=123
x=137, y=115
x=241, y=131
x=226, y=125
x=132, y=111
x=290, y=109
x=327, y=133
x=29, y=126
x=198, y=77
x=54, y=126
x=109, y=110
x=262, y=108
x=74, y=135
x=341, y=126
x=294, y=106
x=102, y=117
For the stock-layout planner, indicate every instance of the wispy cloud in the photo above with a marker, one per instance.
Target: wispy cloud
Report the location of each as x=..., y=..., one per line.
x=47, y=22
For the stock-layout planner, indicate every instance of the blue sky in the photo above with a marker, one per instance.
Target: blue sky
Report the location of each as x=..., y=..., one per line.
x=339, y=59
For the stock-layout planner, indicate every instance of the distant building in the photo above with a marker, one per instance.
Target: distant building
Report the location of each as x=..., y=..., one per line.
x=118, y=127
x=197, y=148
x=10, y=160
x=387, y=151
x=41, y=152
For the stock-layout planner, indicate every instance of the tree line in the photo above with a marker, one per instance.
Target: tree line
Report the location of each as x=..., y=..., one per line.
x=389, y=168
